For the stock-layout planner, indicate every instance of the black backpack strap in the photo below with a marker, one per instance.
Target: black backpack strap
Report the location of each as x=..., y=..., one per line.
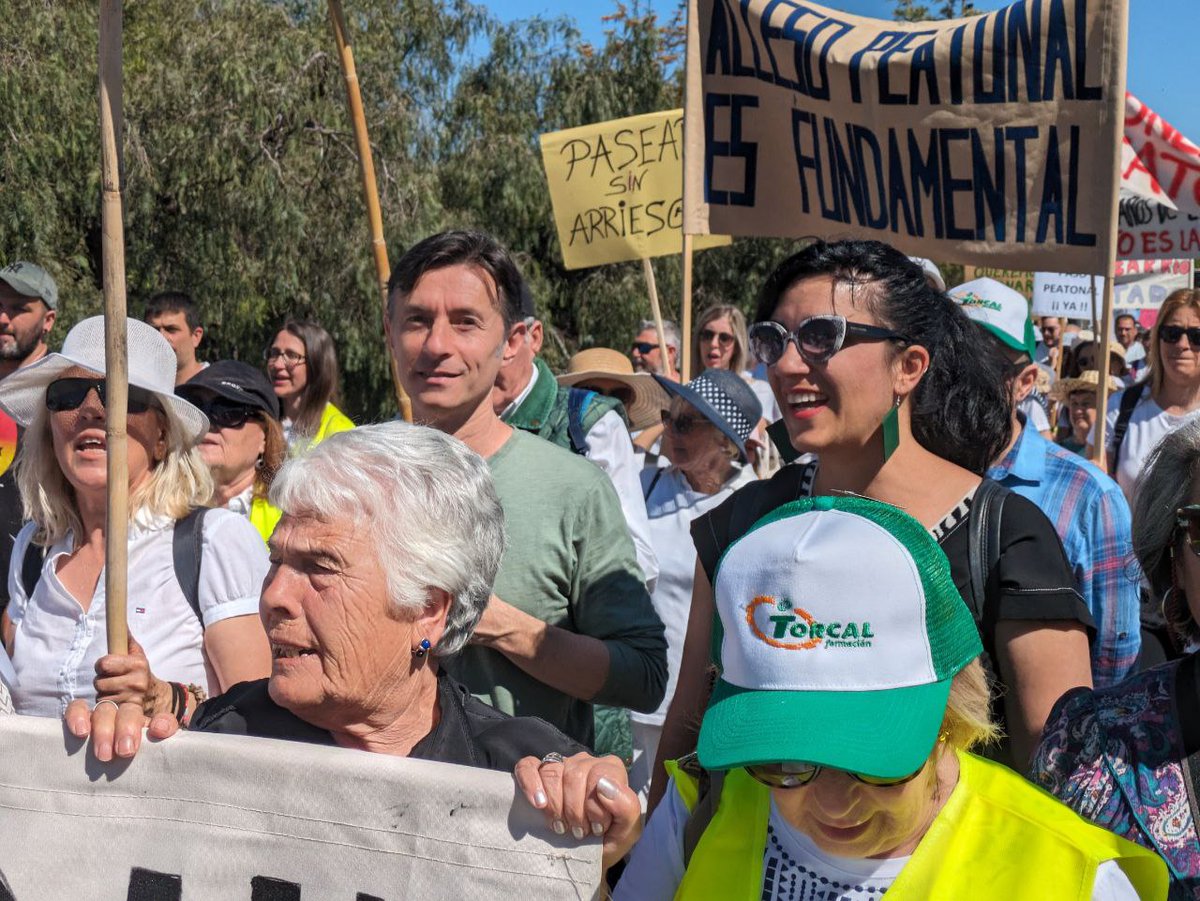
x=708, y=800
x=983, y=530
x=31, y=567
x=186, y=546
x=1129, y=400
x=577, y=404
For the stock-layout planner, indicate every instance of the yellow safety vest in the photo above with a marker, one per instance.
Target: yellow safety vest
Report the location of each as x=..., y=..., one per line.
x=333, y=421
x=998, y=838
x=264, y=517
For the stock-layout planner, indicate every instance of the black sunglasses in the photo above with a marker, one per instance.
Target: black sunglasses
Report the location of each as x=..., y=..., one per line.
x=226, y=415
x=1170, y=334
x=817, y=338
x=794, y=775
x=708, y=335
x=643, y=347
x=70, y=393
x=1187, y=519
x=682, y=425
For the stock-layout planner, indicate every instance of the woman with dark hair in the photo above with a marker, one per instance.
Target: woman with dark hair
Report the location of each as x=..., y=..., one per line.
x=1128, y=757
x=883, y=378
x=302, y=365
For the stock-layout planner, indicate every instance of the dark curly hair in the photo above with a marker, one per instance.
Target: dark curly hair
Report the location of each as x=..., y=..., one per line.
x=960, y=409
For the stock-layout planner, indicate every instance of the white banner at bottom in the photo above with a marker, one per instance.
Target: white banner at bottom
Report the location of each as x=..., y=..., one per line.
x=212, y=817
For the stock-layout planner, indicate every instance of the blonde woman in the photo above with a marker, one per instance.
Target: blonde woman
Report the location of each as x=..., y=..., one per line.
x=722, y=343
x=201, y=638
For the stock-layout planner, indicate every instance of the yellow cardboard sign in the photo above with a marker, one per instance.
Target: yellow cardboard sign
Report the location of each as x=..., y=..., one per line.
x=1021, y=282
x=617, y=190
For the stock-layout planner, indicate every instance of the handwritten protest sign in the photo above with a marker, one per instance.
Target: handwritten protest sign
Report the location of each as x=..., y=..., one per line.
x=1139, y=285
x=215, y=816
x=1021, y=282
x=990, y=140
x=617, y=188
x=1160, y=188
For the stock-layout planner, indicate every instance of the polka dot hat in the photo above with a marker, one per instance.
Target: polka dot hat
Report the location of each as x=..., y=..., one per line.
x=724, y=399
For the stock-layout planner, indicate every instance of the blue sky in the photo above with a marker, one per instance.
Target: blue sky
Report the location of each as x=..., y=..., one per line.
x=1162, y=40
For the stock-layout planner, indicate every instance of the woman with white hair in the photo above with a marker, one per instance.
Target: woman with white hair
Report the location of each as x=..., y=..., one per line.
x=196, y=626
x=381, y=567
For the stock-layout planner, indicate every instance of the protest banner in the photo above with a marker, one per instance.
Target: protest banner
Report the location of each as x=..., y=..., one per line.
x=1139, y=285
x=616, y=189
x=1021, y=282
x=991, y=140
x=1160, y=188
x=199, y=817
x=116, y=351
x=366, y=166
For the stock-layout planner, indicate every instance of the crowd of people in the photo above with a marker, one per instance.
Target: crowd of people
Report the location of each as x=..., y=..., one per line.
x=817, y=622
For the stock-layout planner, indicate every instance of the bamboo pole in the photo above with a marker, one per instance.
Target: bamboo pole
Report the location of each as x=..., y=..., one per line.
x=1104, y=336
x=652, y=287
x=366, y=166
x=116, y=351
x=685, y=319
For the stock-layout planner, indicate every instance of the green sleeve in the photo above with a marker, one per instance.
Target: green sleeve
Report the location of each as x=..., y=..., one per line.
x=610, y=602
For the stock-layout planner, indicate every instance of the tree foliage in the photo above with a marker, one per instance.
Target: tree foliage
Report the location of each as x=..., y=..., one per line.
x=241, y=177
x=912, y=11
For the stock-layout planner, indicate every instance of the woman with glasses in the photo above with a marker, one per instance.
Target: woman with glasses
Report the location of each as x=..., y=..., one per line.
x=883, y=379
x=705, y=429
x=303, y=368
x=722, y=343
x=198, y=636
x=244, y=447
x=1128, y=757
x=835, y=757
x=1142, y=414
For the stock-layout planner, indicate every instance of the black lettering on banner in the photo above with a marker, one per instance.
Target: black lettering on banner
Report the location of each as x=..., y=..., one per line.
x=363, y=896
x=264, y=888
x=147, y=885
x=734, y=148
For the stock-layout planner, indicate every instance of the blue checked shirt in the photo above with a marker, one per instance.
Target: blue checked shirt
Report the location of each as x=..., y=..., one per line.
x=1091, y=516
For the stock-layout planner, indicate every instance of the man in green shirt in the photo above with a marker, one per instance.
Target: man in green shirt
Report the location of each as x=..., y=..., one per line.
x=570, y=623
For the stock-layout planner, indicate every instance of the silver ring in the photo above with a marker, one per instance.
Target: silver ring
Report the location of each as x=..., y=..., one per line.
x=116, y=706
x=552, y=757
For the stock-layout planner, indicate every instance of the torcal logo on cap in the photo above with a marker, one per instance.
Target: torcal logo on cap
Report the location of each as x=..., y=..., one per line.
x=971, y=299
x=784, y=620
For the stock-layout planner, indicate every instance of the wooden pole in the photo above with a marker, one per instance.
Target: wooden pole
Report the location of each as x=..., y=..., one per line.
x=116, y=351
x=1104, y=336
x=685, y=319
x=366, y=166
x=648, y=271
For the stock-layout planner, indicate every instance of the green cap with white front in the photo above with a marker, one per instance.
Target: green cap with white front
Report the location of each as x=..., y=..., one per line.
x=1000, y=310
x=842, y=632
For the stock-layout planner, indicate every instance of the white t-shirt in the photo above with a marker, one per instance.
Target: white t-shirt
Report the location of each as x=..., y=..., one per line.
x=671, y=507
x=794, y=868
x=1147, y=426
x=56, y=643
x=766, y=397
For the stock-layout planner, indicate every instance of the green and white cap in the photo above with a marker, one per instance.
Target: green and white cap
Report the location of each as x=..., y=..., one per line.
x=999, y=309
x=842, y=632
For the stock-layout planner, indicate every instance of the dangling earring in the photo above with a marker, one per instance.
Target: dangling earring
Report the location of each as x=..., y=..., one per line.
x=891, y=430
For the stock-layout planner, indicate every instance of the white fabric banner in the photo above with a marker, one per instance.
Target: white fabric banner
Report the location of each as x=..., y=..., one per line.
x=211, y=817
x=1139, y=285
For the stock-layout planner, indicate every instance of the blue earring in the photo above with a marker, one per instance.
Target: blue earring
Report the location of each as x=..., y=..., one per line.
x=422, y=649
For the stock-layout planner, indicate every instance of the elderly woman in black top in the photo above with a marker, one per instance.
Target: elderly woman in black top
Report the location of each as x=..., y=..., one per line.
x=380, y=568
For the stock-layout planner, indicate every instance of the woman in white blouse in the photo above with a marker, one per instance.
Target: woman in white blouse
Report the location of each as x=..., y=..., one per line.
x=1164, y=401
x=706, y=428
x=55, y=631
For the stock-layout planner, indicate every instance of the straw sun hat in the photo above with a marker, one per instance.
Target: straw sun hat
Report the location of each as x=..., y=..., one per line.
x=1085, y=381
x=151, y=366
x=609, y=372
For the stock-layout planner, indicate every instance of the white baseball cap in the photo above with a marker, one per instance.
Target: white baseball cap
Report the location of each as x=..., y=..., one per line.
x=1000, y=310
x=842, y=630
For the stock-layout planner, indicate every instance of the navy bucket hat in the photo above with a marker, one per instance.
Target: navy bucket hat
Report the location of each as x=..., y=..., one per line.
x=724, y=399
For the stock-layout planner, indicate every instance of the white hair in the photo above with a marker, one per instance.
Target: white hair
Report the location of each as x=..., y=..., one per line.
x=427, y=500
x=670, y=331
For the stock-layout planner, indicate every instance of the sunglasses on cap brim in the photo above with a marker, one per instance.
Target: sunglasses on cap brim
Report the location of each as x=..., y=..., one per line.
x=70, y=393
x=817, y=338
